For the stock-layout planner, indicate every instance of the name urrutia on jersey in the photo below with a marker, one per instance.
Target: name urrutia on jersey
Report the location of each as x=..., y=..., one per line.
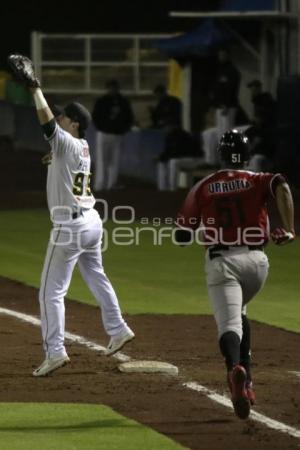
x=228, y=186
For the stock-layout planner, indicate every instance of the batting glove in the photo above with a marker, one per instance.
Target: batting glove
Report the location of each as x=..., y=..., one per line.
x=282, y=237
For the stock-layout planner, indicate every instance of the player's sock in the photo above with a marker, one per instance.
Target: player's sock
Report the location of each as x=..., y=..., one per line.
x=245, y=347
x=230, y=348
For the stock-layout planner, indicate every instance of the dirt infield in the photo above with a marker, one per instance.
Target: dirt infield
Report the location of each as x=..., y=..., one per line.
x=160, y=402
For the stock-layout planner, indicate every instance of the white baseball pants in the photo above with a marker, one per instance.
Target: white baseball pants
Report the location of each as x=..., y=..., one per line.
x=167, y=172
x=257, y=163
x=210, y=146
x=78, y=241
x=225, y=120
x=233, y=279
x=106, y=160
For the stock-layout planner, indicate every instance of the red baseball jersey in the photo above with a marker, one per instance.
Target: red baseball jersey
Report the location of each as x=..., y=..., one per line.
x=229, y=207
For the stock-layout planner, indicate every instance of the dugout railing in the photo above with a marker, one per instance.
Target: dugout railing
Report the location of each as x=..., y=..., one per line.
x=82, y=63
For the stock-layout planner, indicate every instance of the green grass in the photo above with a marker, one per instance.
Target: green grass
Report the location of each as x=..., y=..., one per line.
x=52, y=426
x=151, y=279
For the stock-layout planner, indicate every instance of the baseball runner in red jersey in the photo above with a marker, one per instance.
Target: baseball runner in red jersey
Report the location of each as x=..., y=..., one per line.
x=77, y=228
x=229, y=210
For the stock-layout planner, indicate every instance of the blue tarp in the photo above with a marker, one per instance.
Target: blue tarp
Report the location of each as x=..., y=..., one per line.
x=248, y=5
x=211, y=33
x=197, y=42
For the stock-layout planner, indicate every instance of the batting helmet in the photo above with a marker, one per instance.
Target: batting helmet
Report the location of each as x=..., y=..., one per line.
x=234, y=148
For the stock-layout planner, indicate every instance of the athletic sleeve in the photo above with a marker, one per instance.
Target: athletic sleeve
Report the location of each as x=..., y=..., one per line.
x=189, y=215
x=48, y=128
x=268, y=183
x=62, y=142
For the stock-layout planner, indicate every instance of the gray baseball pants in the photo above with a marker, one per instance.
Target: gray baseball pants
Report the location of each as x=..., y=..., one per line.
x=233, y=279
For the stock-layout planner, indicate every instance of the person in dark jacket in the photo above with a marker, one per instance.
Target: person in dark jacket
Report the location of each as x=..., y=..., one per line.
x=112, y=117
x=263, y=133
x=182, y=150
x=168, y=109
x=264, y=105
x=225, y=92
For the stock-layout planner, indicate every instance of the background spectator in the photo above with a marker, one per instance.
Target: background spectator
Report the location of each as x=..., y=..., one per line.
x=264, y=105
x=168, y=109
x=112, y=117
x=225, y=92
x=181, y=151
x=263, y=132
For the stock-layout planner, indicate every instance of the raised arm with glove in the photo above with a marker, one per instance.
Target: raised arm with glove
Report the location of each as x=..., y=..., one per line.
x=22, y=67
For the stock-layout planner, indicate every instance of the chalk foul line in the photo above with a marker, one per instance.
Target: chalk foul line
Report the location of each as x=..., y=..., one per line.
x=122, y=357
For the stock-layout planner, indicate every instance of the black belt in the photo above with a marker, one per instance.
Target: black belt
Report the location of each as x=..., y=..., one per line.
x=213, y=250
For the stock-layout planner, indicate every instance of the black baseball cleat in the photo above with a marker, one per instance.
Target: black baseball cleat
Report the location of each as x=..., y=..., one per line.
x=239, y=395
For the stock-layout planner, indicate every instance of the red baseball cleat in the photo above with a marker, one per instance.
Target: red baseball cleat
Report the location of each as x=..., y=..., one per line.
x=239, y=393
x=250, y=392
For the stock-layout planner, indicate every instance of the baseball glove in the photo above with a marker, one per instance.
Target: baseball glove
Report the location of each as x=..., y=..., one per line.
x=281, y=237
x=22, y=68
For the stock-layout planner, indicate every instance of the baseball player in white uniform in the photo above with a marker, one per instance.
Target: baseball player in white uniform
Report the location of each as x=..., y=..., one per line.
x=77, y=229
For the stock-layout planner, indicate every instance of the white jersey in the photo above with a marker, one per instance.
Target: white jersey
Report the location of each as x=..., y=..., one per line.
x=68, y=181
